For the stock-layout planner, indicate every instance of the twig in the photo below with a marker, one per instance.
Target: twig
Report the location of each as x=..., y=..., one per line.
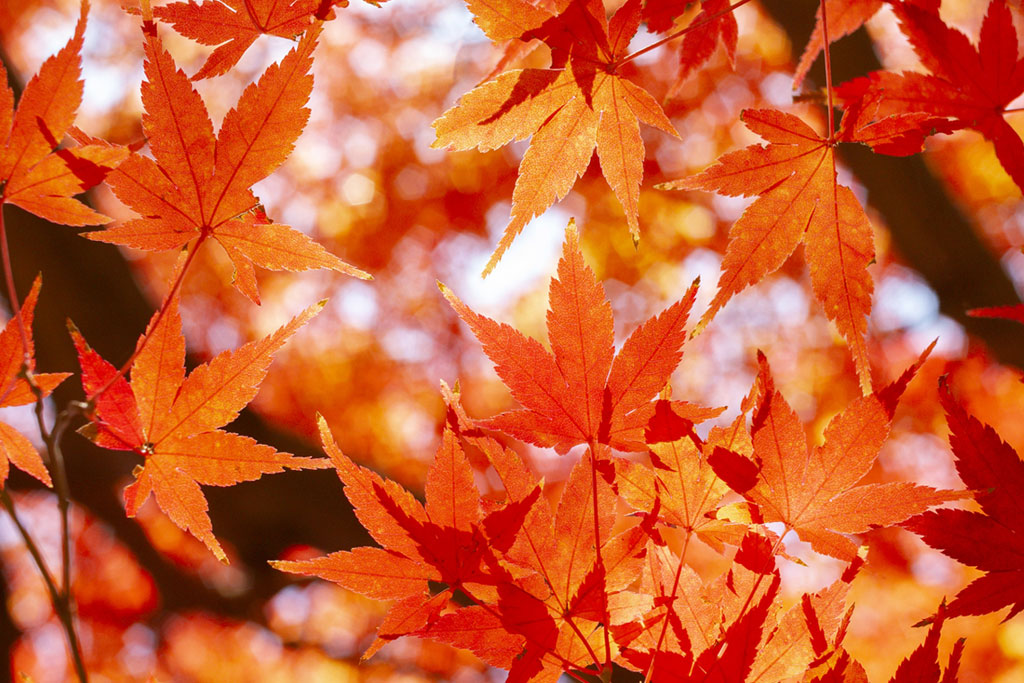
x=63, y=601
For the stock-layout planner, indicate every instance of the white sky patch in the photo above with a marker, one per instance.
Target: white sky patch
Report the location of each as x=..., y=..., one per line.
x=532, y=257
x=356, y=304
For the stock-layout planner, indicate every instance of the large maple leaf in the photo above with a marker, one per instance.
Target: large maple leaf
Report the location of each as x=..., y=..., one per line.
x=814, y=492
x=197, y=185
x=15, y=389
x=174, y=421
x=34, y=174
x=532, y=608
x=993, y=539
x=233, y=25
x=970, y=86
x=569, y=112
x=581, y=391
x=799, y=200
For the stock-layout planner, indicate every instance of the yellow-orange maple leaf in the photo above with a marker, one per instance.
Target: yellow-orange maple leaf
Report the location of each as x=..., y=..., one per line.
x=569, y=112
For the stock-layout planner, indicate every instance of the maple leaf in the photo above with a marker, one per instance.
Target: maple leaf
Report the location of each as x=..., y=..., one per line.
x=233, y=25
x=174, y=421
x=922, y=666
x=991, y=540
x=197, y=185
x=807, y=633
x=970, y=86
x=440, y=541
x=813, y=492
x=681, y=488
x=580, y=391
x=844, y=17
x=713, y=25
x=799, y=200
x=711, y=634
x=15, y=389
x=569, y=112
x=580, y=577
x=34, y=174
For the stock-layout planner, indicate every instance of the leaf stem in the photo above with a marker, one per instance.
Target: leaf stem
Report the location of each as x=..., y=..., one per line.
x=668, y=607
x=60, y=601
x=598, y=562
x=828, y=74
x=672, y=36
x=123, y=371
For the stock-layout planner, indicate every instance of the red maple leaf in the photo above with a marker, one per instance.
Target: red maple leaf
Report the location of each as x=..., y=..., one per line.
x=968, y=86
x=922, y=665
x=439, y=542
x=174, y=421
x=991, y=540
x=197, y=185
x=1013, y=312
x=581, y=391
x=844, y=17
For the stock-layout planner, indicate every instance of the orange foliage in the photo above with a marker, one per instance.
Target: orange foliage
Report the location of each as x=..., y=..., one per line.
x=570, y=507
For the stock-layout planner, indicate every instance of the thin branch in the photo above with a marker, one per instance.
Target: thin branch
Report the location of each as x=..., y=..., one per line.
x=63, y=601
x=178, y=280
x=58, y=598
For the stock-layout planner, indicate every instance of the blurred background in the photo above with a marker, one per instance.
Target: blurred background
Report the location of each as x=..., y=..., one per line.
x=365, y=182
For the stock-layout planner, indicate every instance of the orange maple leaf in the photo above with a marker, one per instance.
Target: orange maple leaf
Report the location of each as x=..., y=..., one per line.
x=814, y=492
x=844, y=17
x=34, y=174
x=440, y=541
x=174, y=421
x=569, y=112
x=233, y=25
x=580, y=391
x=799, y=201
x=15, y=389
x=680, y=487
x=197, y=185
